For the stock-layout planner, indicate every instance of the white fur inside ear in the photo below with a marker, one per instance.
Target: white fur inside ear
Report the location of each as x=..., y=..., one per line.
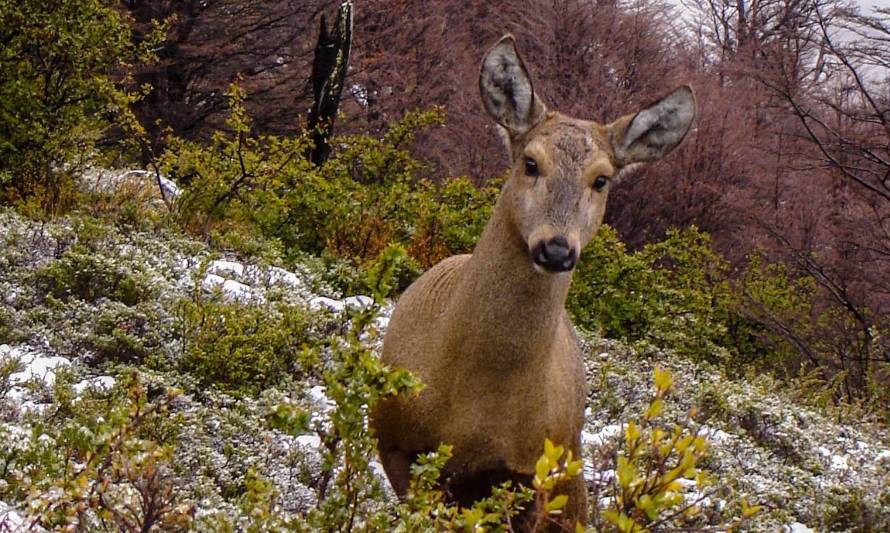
x=506, y=89
x=658, y=129
x=505, y=137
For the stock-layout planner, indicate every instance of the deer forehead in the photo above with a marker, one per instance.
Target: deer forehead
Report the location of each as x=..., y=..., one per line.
x=569, y=148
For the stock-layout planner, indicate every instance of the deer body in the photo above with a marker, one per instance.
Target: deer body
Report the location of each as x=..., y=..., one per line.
x=488, y=333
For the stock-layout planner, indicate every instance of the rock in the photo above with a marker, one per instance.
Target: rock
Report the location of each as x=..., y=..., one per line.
x=36, y=366
x=276, y=275
x=231, y=289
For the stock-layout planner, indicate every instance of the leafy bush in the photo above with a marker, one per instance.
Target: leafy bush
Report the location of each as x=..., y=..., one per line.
x=242, y=348
x=674, y=293
x=99, y=463
x=651, y=475
x=83, y=275
x=56, y=92
x=242, y=190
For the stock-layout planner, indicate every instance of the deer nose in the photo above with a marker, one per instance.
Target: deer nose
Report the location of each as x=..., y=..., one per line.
x=555, y=255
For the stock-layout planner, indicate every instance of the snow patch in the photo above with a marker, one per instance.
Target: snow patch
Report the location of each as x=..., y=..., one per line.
x=225, y=268
x=37, y=366
x=11, y=519
x=312, y=442
x=796, y=527
x=601, y=437
x=98, y=383
x=320, y=399
x=321, y=302
x=281, y=276
x=358, y=302
x=231, y=289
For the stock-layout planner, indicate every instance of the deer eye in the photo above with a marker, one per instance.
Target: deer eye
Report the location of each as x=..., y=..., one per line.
x=531, y=167
x=600, y=183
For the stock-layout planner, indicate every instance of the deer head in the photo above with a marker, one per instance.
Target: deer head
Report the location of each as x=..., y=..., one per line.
x=563, y=167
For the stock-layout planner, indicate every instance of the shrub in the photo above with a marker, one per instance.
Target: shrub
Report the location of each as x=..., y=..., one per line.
x=88, y=277
x=674, y=294
x=653, y=468
x=243, y=189
x=243, y=348
x=97, y=464
x=56, y=93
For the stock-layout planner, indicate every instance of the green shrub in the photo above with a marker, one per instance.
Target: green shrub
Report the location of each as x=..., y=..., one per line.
x=244, y=190
x=242, y=348
x=122, y=335
x=647, y=493
x=89, y=277
x=9, y=365
x=98, y=463
x=57, y=96
x=674, y=294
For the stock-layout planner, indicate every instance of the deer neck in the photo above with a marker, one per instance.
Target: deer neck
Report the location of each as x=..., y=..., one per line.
x=505, y=312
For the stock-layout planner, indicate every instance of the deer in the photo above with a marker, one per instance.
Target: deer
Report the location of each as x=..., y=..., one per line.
x=488, y=333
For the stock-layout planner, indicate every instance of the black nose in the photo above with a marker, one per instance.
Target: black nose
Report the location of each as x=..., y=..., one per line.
x=555, y=255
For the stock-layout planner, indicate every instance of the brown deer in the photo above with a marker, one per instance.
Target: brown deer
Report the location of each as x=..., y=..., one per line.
x=488, y=333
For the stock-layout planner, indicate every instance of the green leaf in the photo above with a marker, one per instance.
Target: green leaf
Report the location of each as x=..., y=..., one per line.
x=555, y=505
x=663, y=379
x=542, y=468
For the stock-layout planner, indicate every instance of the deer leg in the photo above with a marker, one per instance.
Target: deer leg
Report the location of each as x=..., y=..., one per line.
x=397, y=465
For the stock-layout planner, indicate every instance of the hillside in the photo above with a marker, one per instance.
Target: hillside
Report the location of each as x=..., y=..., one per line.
x=98, y=322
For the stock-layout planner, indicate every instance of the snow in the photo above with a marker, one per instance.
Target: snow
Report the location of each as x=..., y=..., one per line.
x=37, y=366
x=312, y=442
x=278, y=275
x=100, y=383
x=318, y=398
x=797, y=527
x=111, y=180
x=601, y=437
x=358, y=302
x=12, y=520
x=322, y=302
x=839, y=462
x=231, y=289
x=226, y=268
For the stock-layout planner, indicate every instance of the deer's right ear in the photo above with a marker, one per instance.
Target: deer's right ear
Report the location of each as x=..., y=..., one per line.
x=507, y=91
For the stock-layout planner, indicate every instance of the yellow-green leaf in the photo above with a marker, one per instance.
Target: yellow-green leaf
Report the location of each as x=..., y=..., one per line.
x=631, y=435
x=555, y=505
x=655, y=409
x=574, y=468
x=542, y=468
x=663, y=379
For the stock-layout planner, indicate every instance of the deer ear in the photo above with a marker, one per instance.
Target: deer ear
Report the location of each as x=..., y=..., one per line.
x=654, y=131
x=507, y=91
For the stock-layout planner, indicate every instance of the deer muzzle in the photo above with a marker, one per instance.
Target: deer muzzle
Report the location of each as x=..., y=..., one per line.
x=555, y=254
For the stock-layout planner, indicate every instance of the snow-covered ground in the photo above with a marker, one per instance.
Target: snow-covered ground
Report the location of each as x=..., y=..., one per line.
x=801, y=465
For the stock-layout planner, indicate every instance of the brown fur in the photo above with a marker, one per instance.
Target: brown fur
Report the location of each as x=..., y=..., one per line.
x=488, y=333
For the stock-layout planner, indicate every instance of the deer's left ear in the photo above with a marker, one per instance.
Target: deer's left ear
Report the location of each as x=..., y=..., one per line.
x=654, y=131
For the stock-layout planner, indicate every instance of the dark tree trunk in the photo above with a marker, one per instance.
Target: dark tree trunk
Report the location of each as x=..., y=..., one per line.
x=328, y=74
